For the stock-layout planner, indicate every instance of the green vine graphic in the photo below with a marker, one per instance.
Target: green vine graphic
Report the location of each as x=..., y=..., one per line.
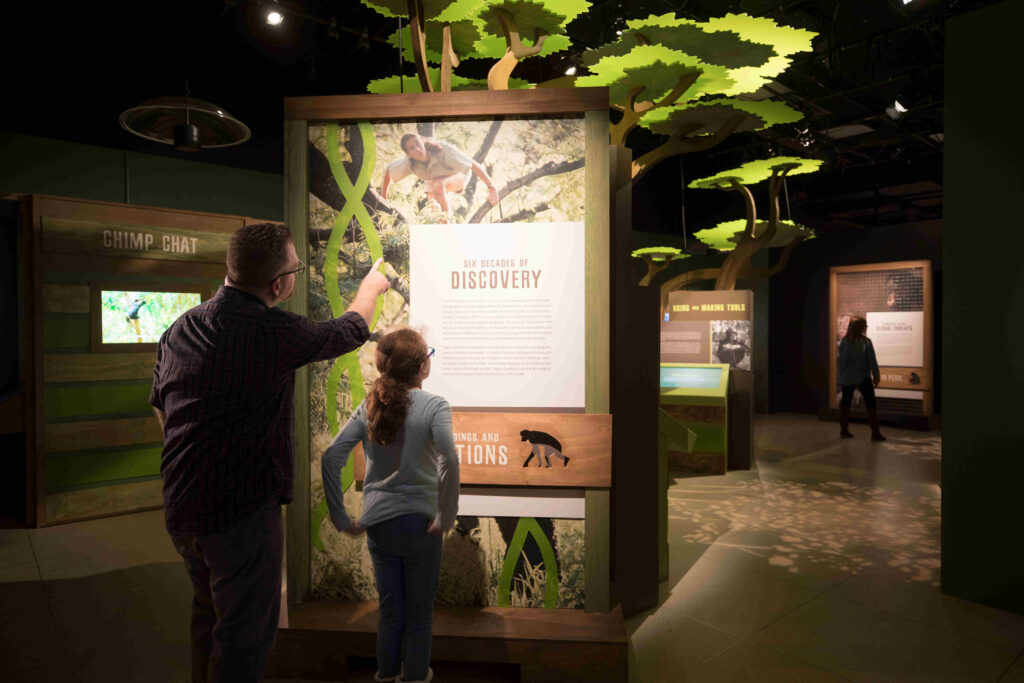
x=528, y=526
x=353, y=208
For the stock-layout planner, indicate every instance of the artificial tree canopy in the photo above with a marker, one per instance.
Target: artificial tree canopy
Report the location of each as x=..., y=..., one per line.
x=725, y=236
x=757, y=171
x=660, y=253
x=712, y=114
x=656, y=68
x=785, y=40
x=531, y=16
x=442, y=11
x=494, y=47
x=724, y=48
x=391, y=84
x=464, y=34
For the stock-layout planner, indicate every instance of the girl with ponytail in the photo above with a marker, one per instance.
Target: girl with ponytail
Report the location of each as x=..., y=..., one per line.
x=410, y=497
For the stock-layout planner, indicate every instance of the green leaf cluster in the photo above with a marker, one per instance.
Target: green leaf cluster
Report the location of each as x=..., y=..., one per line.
x=660, y=253
x=475, y=28
x=707, y=116
x=725, y=236
x=757, y=171
x=395, y=84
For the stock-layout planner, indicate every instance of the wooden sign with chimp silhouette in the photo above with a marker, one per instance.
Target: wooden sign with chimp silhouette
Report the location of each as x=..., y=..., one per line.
x=529, y=449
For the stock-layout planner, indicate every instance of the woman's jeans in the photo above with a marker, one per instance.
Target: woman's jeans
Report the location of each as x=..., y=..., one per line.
x=406, y=561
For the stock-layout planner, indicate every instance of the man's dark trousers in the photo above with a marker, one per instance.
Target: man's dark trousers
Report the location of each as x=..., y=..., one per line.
x=236, y=574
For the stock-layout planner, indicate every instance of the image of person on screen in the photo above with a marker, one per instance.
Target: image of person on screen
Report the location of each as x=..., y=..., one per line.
x=410, y=498
x=223, y=388
x=441, y=166
x=858, y=371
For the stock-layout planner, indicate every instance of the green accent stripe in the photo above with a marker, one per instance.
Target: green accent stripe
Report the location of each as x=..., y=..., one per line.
x=349, y=362
x=105, y=466
x=103, y=484
x=709, y=437
x=66, y=331
x=528, y=526
x=98, y=399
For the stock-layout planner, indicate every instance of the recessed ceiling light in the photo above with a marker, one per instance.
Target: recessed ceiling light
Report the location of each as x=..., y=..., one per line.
x=274, y=18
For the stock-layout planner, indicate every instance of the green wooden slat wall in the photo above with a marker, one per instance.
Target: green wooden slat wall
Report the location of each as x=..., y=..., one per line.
x=65, y=333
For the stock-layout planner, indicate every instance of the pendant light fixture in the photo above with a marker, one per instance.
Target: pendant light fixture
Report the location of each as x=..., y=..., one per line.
x=187, y=123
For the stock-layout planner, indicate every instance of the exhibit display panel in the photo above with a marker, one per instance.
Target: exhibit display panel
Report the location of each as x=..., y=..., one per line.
x=709, y=327
x=696, y=396
x=104, y=281
x=896, y=301
x=512, y=294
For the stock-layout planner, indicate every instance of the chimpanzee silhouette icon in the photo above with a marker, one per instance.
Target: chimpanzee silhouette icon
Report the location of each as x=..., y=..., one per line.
x=543, y=445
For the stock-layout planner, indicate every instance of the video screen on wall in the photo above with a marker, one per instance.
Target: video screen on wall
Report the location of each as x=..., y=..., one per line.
x=140, y=317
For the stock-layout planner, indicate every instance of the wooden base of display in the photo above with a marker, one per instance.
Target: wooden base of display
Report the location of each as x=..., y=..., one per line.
x=697, y=462
x=921, y=423
x=547, y=645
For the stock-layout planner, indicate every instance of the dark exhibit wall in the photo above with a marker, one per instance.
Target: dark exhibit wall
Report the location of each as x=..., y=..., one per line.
x=983, y=367
x=42, y=165
x=798, y=310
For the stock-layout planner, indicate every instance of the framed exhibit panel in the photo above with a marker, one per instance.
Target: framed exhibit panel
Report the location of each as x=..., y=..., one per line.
x=103, y=281
x=491, y=211
x=696, y=396
x=709, y=327
x=896, y=300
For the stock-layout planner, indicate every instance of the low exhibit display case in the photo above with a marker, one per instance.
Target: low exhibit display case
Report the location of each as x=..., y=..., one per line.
x=696, y=395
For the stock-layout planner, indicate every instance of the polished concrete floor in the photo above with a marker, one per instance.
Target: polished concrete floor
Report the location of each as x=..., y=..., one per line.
x=820, y=564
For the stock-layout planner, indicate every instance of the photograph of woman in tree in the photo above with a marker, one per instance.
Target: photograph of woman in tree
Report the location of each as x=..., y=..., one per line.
x=441, y=166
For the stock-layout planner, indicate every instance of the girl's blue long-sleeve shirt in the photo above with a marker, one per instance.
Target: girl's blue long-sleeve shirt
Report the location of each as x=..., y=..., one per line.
x=417, y=473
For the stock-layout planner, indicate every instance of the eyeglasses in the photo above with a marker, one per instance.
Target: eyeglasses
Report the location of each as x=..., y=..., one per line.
x=430, y=352
x=302, y=267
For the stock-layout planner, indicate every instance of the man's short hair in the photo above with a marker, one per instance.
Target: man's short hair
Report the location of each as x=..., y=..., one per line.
x=258, y=253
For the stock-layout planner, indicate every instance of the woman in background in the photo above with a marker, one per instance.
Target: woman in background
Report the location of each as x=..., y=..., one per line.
x=858, y=369
x=410, y=497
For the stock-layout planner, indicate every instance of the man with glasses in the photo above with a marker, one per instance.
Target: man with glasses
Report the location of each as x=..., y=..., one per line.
x=223, y=392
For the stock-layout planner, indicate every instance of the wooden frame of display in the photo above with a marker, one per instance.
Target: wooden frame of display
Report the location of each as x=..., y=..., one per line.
x=44, y=253
x=927, y=386
x=592, y=104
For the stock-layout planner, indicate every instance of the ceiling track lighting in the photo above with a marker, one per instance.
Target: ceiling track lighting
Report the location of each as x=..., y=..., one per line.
x=275, y=17
x=896, y=110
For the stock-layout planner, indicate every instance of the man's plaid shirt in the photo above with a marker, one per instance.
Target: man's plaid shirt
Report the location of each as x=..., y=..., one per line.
x=225, y=378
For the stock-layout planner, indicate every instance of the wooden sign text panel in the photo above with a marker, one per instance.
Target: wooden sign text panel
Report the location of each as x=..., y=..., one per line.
x=517, y=449
x=104, y=238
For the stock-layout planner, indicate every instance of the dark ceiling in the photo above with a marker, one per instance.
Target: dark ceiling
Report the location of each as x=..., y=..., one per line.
x=72, y=68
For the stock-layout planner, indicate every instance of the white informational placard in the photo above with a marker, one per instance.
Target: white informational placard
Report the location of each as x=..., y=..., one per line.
x=495, y=502
x=898, y=337
x=503, y=304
